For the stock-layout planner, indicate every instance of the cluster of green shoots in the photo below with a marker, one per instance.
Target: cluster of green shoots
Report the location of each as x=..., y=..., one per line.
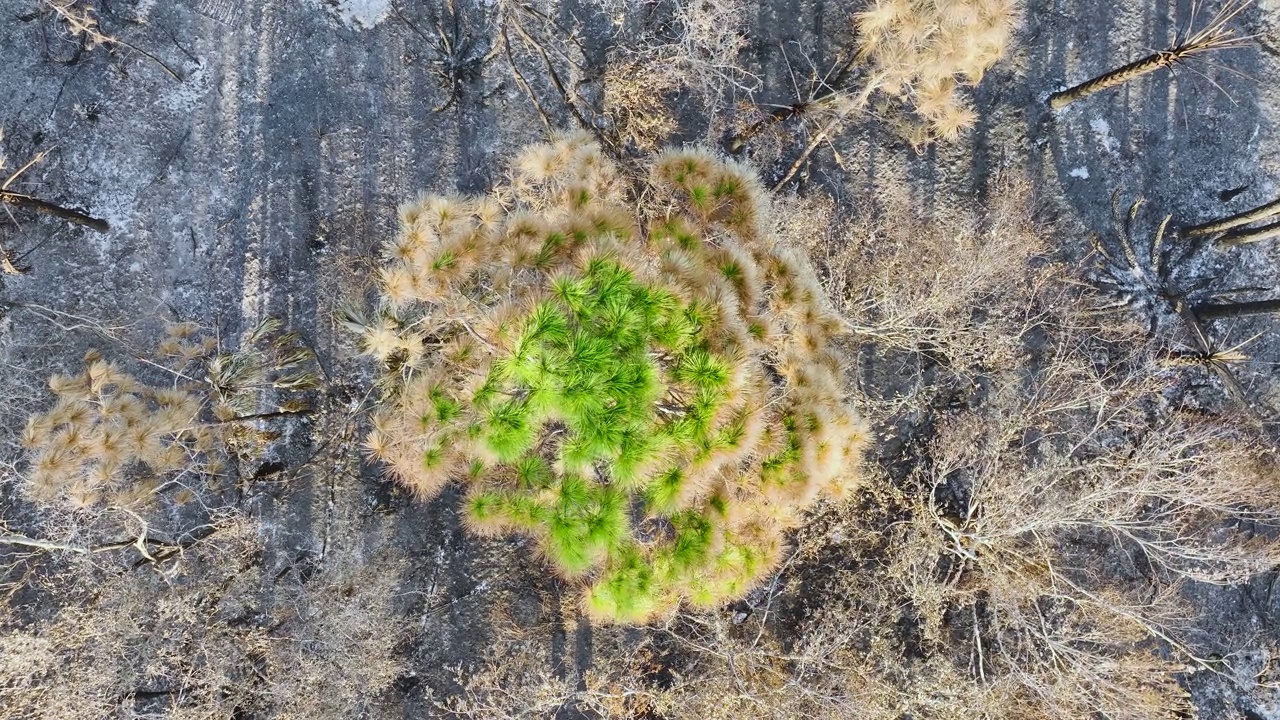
x=922, y=51
x=112, y=440
x=651, y=393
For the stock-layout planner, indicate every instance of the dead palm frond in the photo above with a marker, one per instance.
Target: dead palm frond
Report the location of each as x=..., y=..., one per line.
x=1239, y=220
x=1216, y=35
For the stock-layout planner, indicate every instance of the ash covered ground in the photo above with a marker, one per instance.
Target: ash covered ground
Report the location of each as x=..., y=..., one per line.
x=264, y=180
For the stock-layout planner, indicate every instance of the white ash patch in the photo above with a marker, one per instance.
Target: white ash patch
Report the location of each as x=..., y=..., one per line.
x=364, y=14
x=1102, y=131
x=183, y=97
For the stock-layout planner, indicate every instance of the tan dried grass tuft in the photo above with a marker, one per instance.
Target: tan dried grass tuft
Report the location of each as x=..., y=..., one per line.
x=923, y=53
x=112, y=440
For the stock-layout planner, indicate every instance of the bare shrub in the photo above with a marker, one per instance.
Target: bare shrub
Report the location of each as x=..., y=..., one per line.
x=1045, y=528
x=1056, y=525
x=712, y=38
x=503, y=690
x=964, y=295
x=132, y=635
x=702, y=665
x=194, y=638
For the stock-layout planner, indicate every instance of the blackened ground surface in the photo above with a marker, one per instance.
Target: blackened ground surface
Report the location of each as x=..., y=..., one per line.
x=264, y=181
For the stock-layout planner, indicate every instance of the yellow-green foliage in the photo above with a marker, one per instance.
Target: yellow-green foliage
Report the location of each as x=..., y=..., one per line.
x=112, y=440
x=652, y=395
x=922, y=51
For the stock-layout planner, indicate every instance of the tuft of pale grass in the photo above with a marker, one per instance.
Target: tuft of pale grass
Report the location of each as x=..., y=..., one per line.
x=112, y=440
x=107, y=430
x=635, y=96
x=922, y=53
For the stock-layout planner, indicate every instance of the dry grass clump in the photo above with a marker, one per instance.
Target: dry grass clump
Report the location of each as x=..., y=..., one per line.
x=112, y=440
x=698, y=53
x=197, y=638
x=922, y=52
x=652, y=395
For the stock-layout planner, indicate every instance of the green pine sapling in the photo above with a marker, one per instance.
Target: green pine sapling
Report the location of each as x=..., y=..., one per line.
x=650, y=392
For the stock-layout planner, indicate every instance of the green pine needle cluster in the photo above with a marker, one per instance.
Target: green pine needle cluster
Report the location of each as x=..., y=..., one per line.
x=651, y=394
